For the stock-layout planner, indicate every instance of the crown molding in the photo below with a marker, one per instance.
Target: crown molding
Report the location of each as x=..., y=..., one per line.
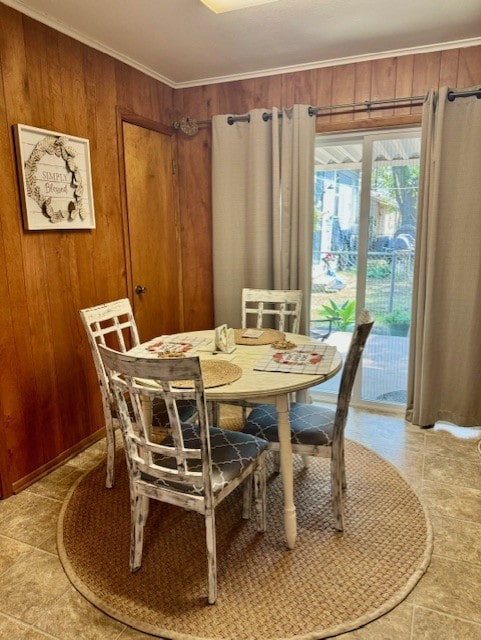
x=440, y=46
x=90, y=42
x=261, y=73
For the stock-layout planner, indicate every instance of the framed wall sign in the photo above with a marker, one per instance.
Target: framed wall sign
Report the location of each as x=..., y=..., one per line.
x=56, y=182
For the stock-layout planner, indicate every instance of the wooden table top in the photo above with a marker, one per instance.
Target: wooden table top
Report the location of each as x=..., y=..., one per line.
x=252, y=383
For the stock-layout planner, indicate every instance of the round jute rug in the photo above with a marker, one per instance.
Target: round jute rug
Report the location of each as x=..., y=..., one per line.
x=330, y=583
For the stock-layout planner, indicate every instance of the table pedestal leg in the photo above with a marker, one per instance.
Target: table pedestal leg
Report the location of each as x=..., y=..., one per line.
x=287, y=472
x=147, y=410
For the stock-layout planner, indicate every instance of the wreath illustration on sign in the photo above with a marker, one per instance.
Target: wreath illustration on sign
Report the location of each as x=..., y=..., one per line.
x=60, y=148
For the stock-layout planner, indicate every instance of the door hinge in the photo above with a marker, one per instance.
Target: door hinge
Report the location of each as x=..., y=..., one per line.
x=174, y=167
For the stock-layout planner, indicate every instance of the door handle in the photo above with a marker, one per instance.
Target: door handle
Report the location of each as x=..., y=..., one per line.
x=139, y=289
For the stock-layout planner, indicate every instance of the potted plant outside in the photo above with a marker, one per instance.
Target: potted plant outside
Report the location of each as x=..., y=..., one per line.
x=342, y=315
x=398, y=322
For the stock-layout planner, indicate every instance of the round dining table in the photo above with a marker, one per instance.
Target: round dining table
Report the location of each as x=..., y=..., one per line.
x=260, y=386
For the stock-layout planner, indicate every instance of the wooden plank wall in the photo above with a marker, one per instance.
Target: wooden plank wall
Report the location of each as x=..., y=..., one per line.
x=49, y=397
x=49, y=400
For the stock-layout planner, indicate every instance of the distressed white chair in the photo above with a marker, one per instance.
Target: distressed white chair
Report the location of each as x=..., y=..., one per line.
x=272, y=308
x=195, y=466
x=315, y=430
x=113, y=323
x=283, y=305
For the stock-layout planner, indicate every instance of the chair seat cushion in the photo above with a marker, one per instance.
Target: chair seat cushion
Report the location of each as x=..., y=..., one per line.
x=160, y=418
x=310, y=423
x=231, y=453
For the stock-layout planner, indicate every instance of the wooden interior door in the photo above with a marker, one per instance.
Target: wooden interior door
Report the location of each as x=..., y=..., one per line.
x=153, y=234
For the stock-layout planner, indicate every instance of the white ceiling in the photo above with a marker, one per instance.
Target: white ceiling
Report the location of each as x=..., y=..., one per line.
x=183, y=43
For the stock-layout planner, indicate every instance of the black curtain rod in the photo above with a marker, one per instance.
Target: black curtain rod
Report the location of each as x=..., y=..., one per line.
x=191, y=127
x=368, y=105
x=452, y=95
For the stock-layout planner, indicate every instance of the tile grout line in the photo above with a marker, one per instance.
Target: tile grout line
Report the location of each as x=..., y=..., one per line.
x=448, y=615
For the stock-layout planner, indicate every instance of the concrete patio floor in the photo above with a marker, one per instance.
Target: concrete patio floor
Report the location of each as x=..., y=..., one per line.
x=384, y=367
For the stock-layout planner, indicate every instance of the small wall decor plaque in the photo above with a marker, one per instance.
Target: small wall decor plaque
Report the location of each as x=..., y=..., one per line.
x=56, y=182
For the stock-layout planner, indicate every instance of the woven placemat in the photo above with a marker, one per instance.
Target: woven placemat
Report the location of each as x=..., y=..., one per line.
x=329, y=584
x=215, y=373
x=268, y=336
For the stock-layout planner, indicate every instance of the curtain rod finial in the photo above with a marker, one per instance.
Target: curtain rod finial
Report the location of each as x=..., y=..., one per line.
x=187, y=125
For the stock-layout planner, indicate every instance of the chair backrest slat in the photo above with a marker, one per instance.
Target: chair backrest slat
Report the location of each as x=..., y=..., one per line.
x=282, y=304
x=109, y=324
x=183, y=457
x=351, y=364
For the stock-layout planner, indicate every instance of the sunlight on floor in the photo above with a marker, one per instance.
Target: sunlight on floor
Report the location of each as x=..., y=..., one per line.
x=464, y=433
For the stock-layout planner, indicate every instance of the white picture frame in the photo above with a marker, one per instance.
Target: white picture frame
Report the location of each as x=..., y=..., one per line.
x=55, y=180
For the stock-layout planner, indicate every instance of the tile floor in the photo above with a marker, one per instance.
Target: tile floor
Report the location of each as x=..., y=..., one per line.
x=443, y=464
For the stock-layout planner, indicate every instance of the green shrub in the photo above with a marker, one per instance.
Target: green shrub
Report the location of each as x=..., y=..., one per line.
x=378, y=270
x=398, y=316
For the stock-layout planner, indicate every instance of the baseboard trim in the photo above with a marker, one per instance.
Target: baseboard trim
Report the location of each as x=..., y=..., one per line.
x=26, y=481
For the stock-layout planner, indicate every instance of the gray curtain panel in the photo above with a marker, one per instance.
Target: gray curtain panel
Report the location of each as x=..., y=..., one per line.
x=445, y=351
x=262, y=192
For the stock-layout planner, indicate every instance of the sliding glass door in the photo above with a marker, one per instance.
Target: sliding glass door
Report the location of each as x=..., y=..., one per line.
x=365, y=213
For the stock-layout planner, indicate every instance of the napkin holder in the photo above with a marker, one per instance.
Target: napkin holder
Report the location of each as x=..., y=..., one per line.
x=224, y=339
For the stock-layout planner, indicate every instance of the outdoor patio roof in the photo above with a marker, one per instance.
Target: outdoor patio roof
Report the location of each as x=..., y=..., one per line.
x=330, y=154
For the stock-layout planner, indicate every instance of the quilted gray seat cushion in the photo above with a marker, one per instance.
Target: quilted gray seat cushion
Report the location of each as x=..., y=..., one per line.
x=231, y=452
x=310, y=423
x=160, y=418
